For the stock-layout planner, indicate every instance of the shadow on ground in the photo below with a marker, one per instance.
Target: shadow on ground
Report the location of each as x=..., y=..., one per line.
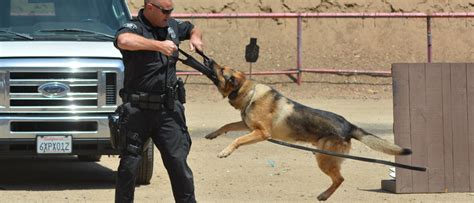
x=376, y=191
x=53, y=173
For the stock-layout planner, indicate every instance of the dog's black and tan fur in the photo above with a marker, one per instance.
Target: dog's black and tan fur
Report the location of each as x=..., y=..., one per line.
x=268, y=114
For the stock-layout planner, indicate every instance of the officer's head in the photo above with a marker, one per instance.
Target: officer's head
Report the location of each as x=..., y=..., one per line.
x=158, y=11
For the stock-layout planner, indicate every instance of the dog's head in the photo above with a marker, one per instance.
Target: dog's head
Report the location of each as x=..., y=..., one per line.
x=229, y=80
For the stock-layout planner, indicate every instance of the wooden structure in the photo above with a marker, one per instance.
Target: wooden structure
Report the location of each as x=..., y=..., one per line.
x=434, y=116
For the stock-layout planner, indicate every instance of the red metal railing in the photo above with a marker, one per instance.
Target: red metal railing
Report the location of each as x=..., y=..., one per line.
x=299, y=16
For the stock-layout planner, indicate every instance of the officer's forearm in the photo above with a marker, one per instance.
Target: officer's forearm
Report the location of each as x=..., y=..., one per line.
x=196, y=33
x=196, y=39
x=133, y=42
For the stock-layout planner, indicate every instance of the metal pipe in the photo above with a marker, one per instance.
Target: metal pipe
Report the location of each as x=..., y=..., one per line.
x=349, y=72
x=188, y=73
x=250, y=71
x=452, y=15
x=277, y=72
x=429, y=37
x=299, y=32
x=299, y=16
x=321, y=15
x=310, y=70
x=296, y=15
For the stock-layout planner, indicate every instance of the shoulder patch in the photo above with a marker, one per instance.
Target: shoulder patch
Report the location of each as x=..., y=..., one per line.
x=130, y=26
x=172, y=33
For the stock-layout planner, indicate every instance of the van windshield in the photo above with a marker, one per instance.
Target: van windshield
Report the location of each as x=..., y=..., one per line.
x=75, y=20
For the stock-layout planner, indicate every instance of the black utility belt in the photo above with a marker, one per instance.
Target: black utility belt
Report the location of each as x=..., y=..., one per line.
x=151, y=101
x=155, y=101
x=145, y=97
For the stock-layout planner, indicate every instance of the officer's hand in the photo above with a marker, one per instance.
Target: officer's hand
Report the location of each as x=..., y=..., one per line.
x=195, y=43
x=168, y=47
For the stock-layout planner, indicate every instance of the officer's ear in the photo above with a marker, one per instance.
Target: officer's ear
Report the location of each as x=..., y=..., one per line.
x=148, y=6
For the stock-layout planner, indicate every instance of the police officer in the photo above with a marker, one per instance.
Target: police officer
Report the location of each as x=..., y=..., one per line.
x=151, y=106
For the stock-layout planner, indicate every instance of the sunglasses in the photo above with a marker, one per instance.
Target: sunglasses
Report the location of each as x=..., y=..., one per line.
x=163, y=10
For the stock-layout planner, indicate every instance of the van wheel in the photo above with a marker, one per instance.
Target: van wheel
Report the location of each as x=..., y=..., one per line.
x=89, y=158
x=145, y=169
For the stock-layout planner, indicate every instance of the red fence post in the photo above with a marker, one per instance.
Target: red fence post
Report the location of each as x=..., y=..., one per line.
x=429, y=37
x=298, y=48
x=299, y=71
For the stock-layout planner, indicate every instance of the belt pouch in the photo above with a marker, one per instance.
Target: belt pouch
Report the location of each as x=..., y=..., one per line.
x=181, y=91
x=169, y=98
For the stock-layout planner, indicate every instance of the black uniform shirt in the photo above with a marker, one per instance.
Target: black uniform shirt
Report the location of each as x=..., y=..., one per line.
x=145, y=71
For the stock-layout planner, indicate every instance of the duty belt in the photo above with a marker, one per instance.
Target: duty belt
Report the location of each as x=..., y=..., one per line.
x=145, y=100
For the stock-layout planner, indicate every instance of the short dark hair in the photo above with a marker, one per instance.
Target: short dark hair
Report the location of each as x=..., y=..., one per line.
x=146, y=2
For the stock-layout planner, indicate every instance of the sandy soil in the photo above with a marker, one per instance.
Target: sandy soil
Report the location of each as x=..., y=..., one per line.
x=263, y=172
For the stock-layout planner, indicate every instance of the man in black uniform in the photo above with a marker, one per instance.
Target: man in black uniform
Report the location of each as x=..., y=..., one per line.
x=151, y=106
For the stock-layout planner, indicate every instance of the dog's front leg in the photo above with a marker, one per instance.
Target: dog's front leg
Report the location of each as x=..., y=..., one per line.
x=252, y=137
x=236, y=126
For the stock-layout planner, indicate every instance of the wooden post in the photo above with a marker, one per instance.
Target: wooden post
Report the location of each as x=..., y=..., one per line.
x=434, y=116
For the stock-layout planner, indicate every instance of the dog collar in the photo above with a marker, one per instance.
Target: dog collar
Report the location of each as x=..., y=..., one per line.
x=234, y=94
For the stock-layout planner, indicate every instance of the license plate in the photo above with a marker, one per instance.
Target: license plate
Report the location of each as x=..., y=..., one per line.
x=46, y=144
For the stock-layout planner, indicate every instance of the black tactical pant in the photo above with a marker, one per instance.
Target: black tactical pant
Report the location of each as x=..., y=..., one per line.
x=170, y=135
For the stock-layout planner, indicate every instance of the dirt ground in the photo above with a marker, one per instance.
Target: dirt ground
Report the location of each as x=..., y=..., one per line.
x=263, y=172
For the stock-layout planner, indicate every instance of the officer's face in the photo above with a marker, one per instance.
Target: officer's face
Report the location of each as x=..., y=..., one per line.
x=160, y=11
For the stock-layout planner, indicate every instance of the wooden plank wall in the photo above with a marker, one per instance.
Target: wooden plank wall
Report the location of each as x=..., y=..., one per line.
x=434, y=116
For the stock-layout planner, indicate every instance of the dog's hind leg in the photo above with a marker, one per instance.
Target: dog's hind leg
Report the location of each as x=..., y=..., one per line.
x=236, y=126
x=331, y=165
x=252, y=137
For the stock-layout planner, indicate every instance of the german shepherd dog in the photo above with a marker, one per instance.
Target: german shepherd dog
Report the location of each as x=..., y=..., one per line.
x=268, y=114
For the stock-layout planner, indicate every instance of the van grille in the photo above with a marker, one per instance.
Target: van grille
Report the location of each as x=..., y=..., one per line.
x=60, y=85
x=81, y=126
x=59, y=76
x=53, y=103
x=34, y=89
x=110, y=88
x=83, y=89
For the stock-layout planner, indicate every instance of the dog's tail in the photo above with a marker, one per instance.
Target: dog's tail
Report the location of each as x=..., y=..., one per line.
x=377, y=143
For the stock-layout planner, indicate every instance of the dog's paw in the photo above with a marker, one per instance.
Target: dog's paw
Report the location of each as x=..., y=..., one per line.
x=212, y=135
x=224, y=153
x=322, y=197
